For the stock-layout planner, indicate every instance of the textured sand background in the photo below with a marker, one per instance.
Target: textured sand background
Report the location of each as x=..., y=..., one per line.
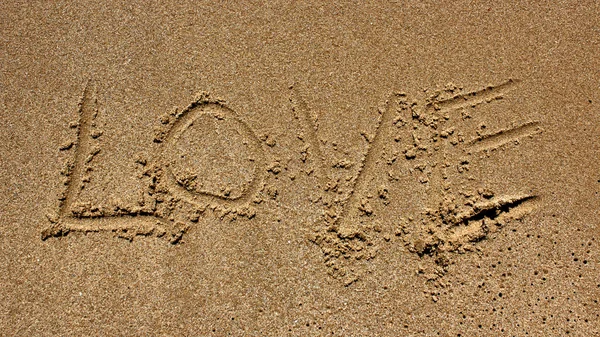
x=390, y=169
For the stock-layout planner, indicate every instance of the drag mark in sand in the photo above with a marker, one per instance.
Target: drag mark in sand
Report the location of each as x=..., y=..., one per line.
x=309, y=127
x=367, y=167
x=495, y=140
x=474, y=98
x=87, y=110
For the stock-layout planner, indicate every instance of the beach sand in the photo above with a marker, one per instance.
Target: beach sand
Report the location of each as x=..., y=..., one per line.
x=300, y=169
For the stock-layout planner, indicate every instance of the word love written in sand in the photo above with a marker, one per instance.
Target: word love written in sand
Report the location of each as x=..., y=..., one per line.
x=422, y=136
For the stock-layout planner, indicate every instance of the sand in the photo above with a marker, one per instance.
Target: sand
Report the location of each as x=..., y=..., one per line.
x=300, y=169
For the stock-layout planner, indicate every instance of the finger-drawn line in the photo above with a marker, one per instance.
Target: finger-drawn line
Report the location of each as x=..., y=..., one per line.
x=474, y=98
x=86, y=110
x=449, y=232
x=365, y=171
x=146, y=225
x=216, y=109
x=495, y=140
x=503, y=204
x=302, y=113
